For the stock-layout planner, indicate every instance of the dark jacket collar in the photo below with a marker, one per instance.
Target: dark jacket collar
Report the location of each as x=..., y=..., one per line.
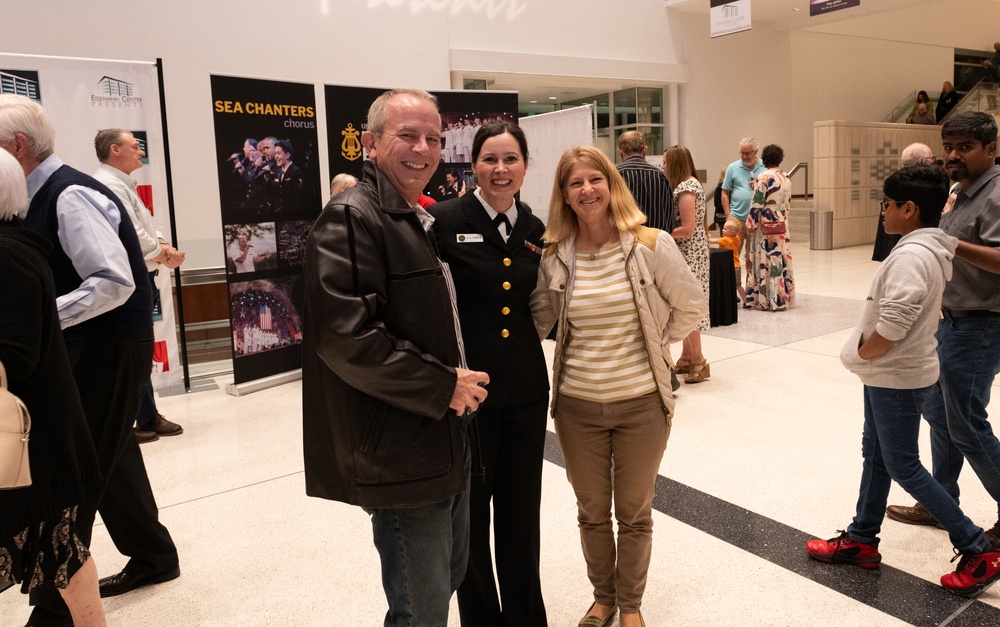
x=389, y=200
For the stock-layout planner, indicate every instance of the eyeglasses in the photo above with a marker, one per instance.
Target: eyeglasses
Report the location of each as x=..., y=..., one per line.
x=744, y=153
x=889, y=201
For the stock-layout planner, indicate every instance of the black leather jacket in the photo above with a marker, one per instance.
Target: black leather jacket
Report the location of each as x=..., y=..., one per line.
x=380, y=350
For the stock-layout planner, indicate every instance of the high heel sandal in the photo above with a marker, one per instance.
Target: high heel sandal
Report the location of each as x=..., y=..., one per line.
x=680, y=368
x=698, y=372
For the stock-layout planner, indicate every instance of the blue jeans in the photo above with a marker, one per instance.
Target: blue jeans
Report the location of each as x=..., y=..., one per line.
x=946, y=459
x=890, y=451
x=424, y=551
x=969, y=352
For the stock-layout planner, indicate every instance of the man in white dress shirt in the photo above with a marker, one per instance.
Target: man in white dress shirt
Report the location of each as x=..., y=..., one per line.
x=120, y=155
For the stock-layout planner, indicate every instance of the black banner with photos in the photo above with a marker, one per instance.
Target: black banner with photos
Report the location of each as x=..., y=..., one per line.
x=269, y=187
x=462, y=113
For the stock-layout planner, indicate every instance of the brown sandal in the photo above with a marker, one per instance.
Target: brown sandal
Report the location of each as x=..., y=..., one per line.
x=682, y=369
x=698, y=372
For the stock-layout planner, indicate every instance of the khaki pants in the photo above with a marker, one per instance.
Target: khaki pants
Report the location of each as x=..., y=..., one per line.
x=613, y=453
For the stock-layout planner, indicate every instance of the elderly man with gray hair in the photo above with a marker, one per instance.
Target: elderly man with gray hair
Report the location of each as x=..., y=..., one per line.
x=104, y=304
x=737, y=187
x=916, y=153
x=911, y=155
x=39, y=541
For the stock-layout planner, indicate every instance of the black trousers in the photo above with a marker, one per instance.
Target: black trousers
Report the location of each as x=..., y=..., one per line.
x=512, y=441
x=111, y=375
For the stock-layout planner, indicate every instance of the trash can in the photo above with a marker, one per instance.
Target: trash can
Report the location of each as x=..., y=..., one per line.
x=821, y=230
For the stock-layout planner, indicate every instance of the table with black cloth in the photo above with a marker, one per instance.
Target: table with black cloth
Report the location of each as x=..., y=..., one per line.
x=723, y=302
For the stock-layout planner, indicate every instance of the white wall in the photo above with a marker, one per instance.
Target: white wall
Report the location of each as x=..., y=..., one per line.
x=862, y=79
x=738, y=88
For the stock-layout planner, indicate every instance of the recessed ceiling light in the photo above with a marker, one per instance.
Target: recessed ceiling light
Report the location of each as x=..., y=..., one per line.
x=552, y=98
x=532, y=102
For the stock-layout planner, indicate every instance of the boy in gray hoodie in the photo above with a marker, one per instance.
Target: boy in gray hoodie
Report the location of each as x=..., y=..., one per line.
x=894, y=353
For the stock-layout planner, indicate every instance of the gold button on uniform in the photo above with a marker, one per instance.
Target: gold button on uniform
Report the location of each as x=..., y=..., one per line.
x=504, y=333
x=506, y=261
x=506, y=285
x=505, y=311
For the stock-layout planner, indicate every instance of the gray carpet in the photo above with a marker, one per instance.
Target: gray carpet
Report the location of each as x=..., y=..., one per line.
x=811, y=316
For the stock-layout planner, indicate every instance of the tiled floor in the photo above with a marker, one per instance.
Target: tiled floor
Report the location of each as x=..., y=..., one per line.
x=762, y=456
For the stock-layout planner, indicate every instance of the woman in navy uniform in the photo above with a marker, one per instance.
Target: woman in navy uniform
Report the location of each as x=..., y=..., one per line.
x=492, y=243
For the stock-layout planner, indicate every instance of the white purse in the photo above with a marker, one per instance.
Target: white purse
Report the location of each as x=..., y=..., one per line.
x=15, y=425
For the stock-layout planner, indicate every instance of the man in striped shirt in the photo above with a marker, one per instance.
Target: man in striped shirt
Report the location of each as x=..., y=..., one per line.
x=648, y=184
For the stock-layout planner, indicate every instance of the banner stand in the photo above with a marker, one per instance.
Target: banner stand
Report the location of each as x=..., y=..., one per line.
x=173, y=228
x=242, y=389
x=198, y=385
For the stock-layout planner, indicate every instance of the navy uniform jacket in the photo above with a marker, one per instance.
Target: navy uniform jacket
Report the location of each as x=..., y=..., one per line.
x=494, y=281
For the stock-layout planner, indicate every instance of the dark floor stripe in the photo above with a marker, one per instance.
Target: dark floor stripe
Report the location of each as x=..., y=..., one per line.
x=887, y=589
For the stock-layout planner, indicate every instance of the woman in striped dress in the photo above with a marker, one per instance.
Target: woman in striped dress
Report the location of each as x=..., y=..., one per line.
x=621, y=293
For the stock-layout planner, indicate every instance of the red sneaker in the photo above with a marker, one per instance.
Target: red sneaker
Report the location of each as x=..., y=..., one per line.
x=843, y=550
x=975, y=571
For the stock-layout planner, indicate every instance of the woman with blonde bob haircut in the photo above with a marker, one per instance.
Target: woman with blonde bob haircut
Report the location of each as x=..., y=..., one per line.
x=563, y=222
x=621, y=292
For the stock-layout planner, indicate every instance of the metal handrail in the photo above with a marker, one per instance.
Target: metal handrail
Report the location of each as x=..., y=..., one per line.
x=903, y=109
x=801, y=165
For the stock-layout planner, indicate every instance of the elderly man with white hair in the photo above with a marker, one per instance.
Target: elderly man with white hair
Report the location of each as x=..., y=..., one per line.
x=911, y=155
x=104, y=302
x=38, y=531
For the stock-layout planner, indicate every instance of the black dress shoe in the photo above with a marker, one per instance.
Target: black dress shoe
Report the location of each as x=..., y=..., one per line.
x=126, y=582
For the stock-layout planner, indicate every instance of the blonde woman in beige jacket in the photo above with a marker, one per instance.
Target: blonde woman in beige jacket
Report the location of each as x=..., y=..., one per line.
x=621, y=293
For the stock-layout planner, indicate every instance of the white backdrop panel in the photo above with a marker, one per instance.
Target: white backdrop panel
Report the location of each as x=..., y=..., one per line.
x=549, y=135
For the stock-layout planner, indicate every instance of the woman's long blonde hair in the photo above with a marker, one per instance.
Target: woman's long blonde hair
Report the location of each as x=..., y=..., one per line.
x=625, y=214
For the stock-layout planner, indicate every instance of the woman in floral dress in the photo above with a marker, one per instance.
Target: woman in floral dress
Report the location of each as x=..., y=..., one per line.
x=692, y=240
x=770, y=285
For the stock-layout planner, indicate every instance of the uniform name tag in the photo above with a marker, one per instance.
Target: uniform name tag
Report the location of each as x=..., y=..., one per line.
x=468, y=238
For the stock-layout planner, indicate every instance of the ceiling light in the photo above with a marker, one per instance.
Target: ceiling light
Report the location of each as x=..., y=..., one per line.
x=552, y=98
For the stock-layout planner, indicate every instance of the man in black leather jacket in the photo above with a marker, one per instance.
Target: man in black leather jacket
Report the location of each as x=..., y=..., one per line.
x=386, y=398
